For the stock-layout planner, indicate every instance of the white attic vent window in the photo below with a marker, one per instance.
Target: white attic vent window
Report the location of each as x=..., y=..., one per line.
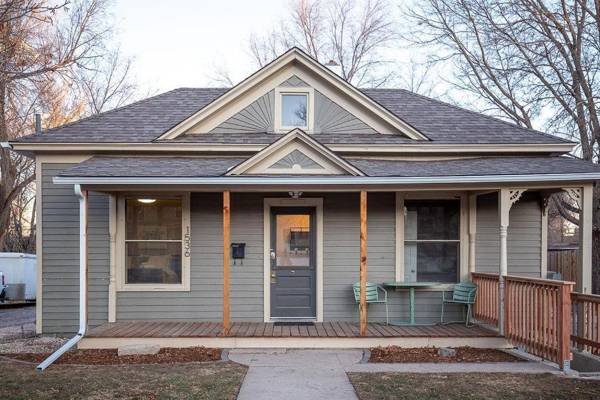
x=294, y=108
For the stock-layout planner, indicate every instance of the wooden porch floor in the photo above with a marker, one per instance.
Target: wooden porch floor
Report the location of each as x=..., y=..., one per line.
x=172, y=329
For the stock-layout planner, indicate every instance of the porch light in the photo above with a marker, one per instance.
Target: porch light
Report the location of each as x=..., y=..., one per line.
x=146, y=201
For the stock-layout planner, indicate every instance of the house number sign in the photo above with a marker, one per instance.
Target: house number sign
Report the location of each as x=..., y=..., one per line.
x=187, y=242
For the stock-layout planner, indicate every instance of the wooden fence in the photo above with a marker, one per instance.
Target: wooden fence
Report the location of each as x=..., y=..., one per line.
x=586, y=322
x=537, y=313
x=564, y=261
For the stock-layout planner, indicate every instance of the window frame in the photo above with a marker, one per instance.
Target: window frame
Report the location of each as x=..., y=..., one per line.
x=310, y=109
x=463, y=241
x=121, y=252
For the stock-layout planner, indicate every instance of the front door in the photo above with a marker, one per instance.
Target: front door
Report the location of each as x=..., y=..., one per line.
x=293, y=288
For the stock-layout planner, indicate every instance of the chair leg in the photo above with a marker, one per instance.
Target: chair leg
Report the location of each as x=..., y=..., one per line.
x=468, y=319
x=387, y=315
x=442, y=315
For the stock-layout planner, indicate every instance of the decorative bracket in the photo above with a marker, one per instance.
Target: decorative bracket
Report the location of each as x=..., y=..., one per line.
x=508, y=197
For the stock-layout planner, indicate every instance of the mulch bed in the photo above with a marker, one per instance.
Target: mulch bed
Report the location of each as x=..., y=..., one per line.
x=109, y=356
x=394, y=354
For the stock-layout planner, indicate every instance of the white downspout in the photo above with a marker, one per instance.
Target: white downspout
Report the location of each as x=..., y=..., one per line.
x=83, y=197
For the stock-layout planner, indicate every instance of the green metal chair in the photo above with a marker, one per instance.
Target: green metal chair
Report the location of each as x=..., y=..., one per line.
x=375, y=294
x=463, y=293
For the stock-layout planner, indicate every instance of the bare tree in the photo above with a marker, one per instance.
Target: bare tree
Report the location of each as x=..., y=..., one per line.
x=531, y=61
x=107, y=83
x=352, y=33
x=45, y=46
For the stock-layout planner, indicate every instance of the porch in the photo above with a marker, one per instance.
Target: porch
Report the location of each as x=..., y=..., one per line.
x=330, y=334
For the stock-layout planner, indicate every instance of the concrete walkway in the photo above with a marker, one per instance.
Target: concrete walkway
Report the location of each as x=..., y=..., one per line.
x=296, y=374
x=321, y=374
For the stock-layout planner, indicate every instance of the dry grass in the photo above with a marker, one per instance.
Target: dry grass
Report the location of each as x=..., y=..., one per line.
x=213, y=380
x=497, y=386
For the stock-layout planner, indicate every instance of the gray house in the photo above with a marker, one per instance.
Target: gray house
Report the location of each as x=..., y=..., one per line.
x=243, y=216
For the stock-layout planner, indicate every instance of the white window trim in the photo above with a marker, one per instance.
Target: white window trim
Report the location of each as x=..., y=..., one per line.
x=122, y=286
x=310, y=98
x=463, y=264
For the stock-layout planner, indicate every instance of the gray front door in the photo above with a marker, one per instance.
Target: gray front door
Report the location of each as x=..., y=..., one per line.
x=293, y=288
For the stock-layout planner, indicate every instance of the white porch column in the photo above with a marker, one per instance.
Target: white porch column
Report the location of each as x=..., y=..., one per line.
x=584, y=197
x=506, y=199
x=112, y=230
x=544, y=236
x=472, y=231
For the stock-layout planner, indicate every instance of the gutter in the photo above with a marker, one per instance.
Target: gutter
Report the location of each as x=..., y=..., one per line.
x=82, y=195
x=305, y=181
x=404, y=148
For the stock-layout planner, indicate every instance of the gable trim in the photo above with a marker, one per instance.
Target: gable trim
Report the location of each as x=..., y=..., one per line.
x=275, y=68
x=294, y=134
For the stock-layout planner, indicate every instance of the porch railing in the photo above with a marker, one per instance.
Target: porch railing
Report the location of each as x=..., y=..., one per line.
x=537, y=313
x=586, y=322
x=486, y=303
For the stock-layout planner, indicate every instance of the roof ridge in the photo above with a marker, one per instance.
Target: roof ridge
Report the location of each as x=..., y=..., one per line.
x=472, y=112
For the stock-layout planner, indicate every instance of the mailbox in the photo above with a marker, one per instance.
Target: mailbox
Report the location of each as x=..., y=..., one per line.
x=238, y=251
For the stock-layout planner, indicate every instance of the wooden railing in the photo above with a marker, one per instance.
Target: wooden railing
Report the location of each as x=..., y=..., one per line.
x=538, y=316
x=486, y=303
x=537, y=313
x=586, y=322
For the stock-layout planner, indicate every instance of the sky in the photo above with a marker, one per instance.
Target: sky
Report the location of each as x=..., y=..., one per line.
x=180, y=43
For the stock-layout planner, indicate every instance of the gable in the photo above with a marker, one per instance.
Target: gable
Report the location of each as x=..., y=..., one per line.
x=289, y=70
x=259, y=117
x=296, y=153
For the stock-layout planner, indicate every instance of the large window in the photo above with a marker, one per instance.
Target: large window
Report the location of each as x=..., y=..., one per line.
x=432, y=241
x=156, y=242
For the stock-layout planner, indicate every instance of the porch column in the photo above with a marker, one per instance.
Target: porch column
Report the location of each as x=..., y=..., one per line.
x=544, y=236
x=112, y=229
x=363, y=263
x=472, y=231
x=506, y=199
x=226, y=250
x=584, y=197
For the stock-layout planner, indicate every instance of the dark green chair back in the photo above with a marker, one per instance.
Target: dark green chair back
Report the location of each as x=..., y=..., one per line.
x=370, y=289
x=465, y=292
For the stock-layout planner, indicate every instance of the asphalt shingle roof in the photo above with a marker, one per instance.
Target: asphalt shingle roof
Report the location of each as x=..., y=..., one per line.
x=113, y=166
x=146, y=120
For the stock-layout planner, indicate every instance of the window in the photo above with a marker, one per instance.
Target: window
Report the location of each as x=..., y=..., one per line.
x=293, y=109
x=432, y=241
x=156, y=246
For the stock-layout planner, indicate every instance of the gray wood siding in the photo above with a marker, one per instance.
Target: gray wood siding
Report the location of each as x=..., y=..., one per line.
x=341, y=260
x=524, y=236
x=60, y=255
x=256, y=118
x=331, y=118
x=205, y=299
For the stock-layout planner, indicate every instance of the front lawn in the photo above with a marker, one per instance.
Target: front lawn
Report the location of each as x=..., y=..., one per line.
x=497, y=386
x=209, y=380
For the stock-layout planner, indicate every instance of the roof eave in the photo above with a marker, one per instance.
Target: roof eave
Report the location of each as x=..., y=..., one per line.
x=330, y=181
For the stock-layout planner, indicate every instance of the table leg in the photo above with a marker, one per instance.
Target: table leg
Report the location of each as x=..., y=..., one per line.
x=411, y=304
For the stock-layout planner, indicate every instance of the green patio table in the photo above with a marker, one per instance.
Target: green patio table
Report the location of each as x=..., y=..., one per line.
x=411, y=286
